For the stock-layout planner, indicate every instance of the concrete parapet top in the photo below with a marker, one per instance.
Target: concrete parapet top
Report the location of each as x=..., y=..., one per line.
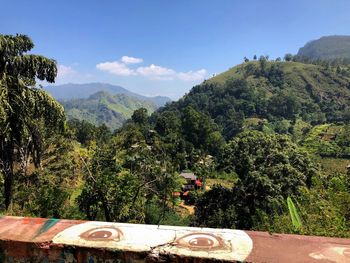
x=59, y=240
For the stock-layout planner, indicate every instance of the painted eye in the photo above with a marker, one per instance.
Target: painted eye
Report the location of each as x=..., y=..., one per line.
x=102, y=234
x=200, y=241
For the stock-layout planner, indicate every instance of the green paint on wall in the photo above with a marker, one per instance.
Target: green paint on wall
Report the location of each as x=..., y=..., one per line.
x=46, y=226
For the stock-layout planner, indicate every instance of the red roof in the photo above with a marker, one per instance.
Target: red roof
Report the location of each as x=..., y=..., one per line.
x=198, y=183
x=186, y=193
x=176, y=194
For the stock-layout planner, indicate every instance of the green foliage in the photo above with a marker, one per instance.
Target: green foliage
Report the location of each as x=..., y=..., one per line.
x=323, y=211
x=328, y=140
x=110, y=192
x=293, y=214
x=49, y=191
x=85, y=132
x=269, y=169
x=125, y=174
x=217, y=208
x=157, y=214
x=278, y=92
x=27, y=111
x=140, y=116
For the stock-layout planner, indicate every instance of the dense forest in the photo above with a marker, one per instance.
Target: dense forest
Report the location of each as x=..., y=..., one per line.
x=270, y=140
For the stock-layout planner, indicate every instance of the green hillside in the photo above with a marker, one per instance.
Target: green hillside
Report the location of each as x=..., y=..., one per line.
x=328, y=140
x=104, y=108
x=277, y=93
x=329, y=47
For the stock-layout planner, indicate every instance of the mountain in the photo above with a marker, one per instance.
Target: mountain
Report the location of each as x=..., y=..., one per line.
x=83, y=91
x=266, y=95
x=328, y=47
x=105, y=108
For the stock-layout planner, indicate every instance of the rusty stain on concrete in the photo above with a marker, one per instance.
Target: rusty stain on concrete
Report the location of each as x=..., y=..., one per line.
x=52, y=240
x=339, y=254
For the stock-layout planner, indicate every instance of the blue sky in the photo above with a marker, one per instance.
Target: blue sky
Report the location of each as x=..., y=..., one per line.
x=160, y=47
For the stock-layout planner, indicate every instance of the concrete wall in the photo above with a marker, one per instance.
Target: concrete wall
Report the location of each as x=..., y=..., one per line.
x=53, y=240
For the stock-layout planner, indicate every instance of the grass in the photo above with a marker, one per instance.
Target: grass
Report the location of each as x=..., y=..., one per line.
x=237, y=71
x=334, y=165
x=223, y=182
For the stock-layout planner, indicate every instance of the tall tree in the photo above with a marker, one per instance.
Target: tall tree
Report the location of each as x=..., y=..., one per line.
x=269, y=169
x=25, y=110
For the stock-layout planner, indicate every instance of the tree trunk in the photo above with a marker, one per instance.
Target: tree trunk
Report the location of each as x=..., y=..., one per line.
x=6, y=165
x=8, y=187
x=105, y=208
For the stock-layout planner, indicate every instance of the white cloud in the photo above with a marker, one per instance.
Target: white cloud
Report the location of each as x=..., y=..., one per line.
x=192, y=75
x=156, y=72
x=131, y=60
x=116, y=68
x=63, y=71
x=153, y=72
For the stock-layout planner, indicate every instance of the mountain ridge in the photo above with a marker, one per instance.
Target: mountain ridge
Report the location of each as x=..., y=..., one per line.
x=327, y=48
x=105, y=108
x=84, y=90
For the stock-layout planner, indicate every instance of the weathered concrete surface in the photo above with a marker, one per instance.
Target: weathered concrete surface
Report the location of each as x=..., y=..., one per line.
x=52, y=240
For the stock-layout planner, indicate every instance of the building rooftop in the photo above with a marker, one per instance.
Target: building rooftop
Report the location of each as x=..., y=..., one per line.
x=190, y=176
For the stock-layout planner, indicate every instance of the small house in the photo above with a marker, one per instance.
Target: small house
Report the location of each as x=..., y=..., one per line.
x=191, y=181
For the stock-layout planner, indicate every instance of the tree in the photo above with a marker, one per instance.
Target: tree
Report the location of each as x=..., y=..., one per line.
x=125, y=175
x=49, y=192
x=197, y=127
x=167, y=122
x=263, y=64
x=288, y=57
x=86, y=132
x=286, y=105
x=140, y=116
x=25, y=111
x=269, y=168
x=216, y=208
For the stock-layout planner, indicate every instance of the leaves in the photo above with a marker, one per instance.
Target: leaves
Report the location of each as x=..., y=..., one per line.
x=26, y=112
x=294, y=214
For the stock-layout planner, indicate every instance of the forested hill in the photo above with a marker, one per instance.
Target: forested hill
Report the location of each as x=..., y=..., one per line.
x=83, y=91
x=105, y=108
x=269, y=95
x=329, y=47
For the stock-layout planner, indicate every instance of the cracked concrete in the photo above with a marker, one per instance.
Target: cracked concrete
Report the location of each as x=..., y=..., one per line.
x=154, y=240
x=52, y=240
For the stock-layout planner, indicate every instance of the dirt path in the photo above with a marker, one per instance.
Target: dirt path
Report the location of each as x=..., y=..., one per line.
x=190, y=208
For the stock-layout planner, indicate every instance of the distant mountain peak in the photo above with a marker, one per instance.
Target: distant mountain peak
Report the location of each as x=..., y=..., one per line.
x=103, y=107
x=83, y=91
x=327, y=47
